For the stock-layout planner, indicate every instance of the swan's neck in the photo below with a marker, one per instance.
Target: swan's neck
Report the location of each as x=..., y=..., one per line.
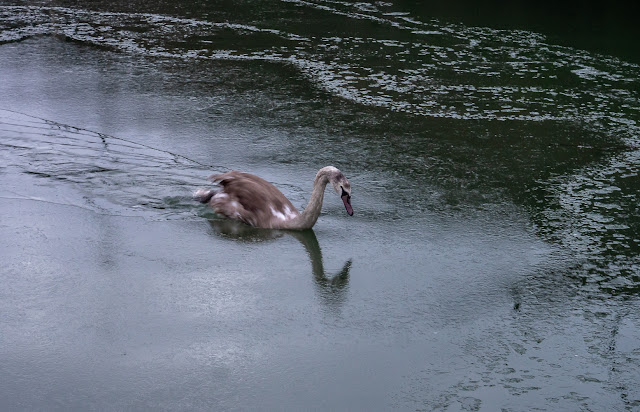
x=308, y=218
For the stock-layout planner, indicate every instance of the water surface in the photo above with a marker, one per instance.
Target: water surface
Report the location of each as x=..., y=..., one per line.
x=492, y=261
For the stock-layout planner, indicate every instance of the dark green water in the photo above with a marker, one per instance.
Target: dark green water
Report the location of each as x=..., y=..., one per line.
x=492, y=261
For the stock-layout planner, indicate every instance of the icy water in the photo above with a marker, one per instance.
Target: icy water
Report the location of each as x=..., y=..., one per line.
x=491, y=263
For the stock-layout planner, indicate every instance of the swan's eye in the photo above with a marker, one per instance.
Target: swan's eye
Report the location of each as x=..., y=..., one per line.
x=344, y=193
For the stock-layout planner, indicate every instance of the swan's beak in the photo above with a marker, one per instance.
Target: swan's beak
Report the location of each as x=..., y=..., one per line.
x=346, y=199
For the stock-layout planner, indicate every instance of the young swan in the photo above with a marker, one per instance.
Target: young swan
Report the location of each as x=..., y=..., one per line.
x=256, y=202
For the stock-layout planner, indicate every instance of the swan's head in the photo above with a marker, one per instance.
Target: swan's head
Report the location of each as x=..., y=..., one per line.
x=341, y=185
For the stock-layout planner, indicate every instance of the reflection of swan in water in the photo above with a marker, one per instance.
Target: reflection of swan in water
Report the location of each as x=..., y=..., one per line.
x=332, y=289
x=256, y=202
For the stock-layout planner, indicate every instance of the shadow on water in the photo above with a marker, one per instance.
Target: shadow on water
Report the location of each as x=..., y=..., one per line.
x=331, y=288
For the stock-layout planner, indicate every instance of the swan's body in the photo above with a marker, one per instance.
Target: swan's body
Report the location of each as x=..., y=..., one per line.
x=258, y=203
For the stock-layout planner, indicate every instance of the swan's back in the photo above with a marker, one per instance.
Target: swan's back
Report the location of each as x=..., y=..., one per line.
x=251, y=199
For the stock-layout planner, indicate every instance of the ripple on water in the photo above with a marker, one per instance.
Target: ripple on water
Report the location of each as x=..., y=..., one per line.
x=517, y=74
x=110, y=173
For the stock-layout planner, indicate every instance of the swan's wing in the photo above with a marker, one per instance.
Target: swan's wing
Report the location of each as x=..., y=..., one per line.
x=252, y=200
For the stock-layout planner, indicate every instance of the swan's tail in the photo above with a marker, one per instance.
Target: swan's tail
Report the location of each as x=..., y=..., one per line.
x=203, y=195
